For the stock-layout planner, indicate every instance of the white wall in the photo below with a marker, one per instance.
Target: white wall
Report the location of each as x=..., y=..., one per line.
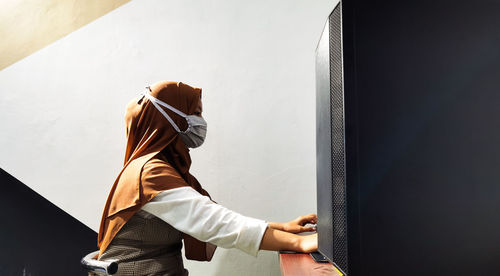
x=62, y=108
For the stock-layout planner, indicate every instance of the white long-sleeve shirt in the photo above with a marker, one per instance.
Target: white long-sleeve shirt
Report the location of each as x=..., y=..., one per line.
x=196, y=215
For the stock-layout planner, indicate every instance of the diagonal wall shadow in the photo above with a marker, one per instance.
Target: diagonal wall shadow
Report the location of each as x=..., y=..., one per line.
x=36, y=237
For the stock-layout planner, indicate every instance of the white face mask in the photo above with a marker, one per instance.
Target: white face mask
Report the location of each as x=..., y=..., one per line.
x=196, y=131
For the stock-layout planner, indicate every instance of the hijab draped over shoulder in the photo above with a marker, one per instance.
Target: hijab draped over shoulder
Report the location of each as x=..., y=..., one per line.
x=152, y=140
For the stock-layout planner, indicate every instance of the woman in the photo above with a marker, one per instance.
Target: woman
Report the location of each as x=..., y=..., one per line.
x=155, y=202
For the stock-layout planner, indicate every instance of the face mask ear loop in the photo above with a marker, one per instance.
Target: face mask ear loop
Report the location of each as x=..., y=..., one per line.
x=175, y=110
x=153, y=101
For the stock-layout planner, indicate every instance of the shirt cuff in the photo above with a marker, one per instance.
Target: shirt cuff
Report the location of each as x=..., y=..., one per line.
x=251, y=236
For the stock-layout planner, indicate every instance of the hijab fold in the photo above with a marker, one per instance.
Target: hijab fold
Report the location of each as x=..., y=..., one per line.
x=156, y=160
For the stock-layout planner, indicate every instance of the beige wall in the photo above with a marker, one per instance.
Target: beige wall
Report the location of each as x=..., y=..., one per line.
x=29, y=25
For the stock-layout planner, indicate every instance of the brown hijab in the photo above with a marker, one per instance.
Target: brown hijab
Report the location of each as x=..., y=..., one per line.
x=150, y=135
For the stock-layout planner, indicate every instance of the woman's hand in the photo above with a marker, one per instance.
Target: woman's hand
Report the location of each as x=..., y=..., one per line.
x=279, y=240
x=296, y=225
x=282, y=236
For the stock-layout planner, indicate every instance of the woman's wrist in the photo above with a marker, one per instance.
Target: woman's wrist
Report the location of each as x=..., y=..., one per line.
x=276, y=240
x=297, y=243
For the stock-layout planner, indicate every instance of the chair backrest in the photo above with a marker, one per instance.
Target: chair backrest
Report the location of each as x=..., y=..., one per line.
x=91, y=264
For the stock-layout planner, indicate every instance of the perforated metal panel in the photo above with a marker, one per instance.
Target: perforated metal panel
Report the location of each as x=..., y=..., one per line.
x=338, y=142
x=323, y=146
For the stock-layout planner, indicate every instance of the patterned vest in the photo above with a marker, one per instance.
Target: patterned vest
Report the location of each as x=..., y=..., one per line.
x=146, y=245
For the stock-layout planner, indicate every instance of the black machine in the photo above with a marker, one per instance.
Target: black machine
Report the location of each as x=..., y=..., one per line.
x=408, y=137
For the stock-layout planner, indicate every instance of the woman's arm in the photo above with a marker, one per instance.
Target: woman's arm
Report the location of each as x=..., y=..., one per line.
x=196, y=215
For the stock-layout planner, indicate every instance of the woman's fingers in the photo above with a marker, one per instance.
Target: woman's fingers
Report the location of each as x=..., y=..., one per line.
x=307, y=229
x=311, y=218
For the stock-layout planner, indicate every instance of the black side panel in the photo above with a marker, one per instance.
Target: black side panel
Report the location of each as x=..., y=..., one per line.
x=351, y=132
x=428, y=84
x=36, y=237
x=337, y=142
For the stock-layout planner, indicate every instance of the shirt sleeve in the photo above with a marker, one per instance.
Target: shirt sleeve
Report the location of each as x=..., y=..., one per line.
x=194, y=214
